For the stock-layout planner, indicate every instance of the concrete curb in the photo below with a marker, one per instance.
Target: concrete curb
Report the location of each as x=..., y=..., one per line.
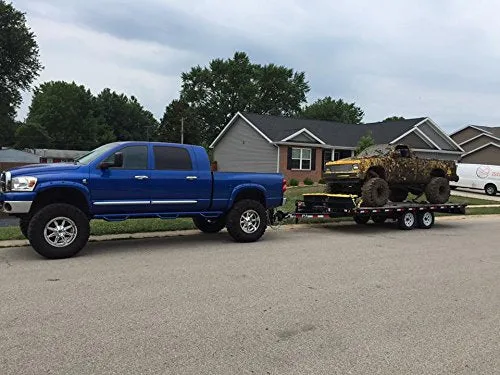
x=190, y=232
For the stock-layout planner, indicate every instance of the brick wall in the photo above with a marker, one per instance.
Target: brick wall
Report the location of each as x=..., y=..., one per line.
x=314, y=175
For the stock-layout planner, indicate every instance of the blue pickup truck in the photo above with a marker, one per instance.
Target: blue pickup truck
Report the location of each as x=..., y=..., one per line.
x=125, y=180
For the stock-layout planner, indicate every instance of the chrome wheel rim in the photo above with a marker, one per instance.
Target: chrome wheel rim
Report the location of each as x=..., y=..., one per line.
x=409, y=219
x=427, y=219
x=249, y=221
x=60, y=232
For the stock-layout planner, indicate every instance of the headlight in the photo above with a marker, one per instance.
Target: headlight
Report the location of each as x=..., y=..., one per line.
x=355, y=167
x=23, y=183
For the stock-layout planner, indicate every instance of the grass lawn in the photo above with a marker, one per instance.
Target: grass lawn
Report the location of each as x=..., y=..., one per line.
x=101, y=227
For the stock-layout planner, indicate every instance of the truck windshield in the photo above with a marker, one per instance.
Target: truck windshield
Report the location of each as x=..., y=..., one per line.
x=94, y=154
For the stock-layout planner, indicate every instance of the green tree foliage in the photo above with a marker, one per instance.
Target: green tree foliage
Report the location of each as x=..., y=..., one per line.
x=364, y=142
x=19, y=66
x=125, y=117
x=176, y=114
x=31, y=135
x=218, y=91
x=333, y=110
x=68, y=114
x=394, y=118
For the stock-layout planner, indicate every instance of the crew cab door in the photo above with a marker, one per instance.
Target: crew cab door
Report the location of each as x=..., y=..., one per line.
x=177, y=185
x=123, y=189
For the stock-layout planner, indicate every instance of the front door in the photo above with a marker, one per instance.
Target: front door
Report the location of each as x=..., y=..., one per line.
x=176, y=183
x=123, y=189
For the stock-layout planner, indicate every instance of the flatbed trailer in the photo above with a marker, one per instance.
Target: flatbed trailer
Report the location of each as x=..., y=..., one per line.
x=408, y=214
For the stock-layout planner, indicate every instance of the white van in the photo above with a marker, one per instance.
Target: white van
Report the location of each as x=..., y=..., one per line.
x=478, y=176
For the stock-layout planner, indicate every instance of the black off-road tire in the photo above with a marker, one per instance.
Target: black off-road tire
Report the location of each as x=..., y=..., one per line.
x=234, y=217
x=438, y=190
x=24, y=223
x=375, y=192
x=209, y=225
x=398, y=195
x=490, y=189
x=361, y=219
x=407, y=220
x=44, y=216
x=425, y=219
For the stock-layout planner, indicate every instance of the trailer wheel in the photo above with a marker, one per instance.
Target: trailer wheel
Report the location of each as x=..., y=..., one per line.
x=247, y=221
x=425, y=220
x=361, y=219
x=375, y=192
x=209, y=225
x=59, y=231
x=407, y=221
x=379, y=219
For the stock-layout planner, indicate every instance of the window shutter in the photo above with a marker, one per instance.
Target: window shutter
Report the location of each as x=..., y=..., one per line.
x=313, y=159
x=289, y=159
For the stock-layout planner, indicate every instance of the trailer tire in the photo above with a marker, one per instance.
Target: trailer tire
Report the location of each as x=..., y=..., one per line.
x=24, y=223
x=44, y=224
x=361, y=219
x=379, y=219
x=375, y=192
x=425, y=220
x=398, y=195
x=207, y=225
x=437, y=190
x=407, y=221
x=247, y=221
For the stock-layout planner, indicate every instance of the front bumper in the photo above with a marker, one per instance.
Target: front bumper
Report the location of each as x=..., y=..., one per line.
x=344, y=178
x=16, y=203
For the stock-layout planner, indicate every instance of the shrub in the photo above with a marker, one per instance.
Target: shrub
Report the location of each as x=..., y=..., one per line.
x=321, y=181
x=308, y=181
x=294, y=182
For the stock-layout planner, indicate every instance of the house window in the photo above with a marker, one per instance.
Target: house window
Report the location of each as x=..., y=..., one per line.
x=301, y=158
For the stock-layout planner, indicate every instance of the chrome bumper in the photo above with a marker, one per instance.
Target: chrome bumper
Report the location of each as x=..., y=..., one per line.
x=15, y=207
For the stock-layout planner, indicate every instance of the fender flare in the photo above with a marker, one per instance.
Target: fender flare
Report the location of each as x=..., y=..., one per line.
x=44, y=186
x=238, y=189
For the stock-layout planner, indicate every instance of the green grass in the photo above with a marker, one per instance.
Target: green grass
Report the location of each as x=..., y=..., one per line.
x=100, y=227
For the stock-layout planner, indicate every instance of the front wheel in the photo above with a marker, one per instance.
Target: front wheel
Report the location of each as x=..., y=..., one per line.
x=247, y=221
x=209, y=225
x=59, y=231
x=24, y=225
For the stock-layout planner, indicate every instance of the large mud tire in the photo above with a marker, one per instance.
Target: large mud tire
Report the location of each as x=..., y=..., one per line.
x=398, y=195
x=247, y=221
x=437, y=190
x=24, y=225
x=375, y=192
x=73, y=223
x=209, y=225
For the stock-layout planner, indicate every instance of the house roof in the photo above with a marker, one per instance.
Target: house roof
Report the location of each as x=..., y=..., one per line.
x=11, y=155
x=493, y=130
x=278, y=128
x=59, y=154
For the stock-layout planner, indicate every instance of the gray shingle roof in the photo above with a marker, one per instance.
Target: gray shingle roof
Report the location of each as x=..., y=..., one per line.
x=333, y=133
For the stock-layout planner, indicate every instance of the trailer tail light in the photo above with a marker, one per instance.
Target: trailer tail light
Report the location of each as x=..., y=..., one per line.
x=283, y=185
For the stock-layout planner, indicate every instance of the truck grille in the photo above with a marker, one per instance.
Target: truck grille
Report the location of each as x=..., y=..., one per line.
x=341, y=168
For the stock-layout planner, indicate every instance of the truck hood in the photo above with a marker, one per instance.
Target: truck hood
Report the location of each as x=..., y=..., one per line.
x=34, y=169
x=344, y=161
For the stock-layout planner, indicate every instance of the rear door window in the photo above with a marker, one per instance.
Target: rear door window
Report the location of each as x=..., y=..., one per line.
x=172, y=158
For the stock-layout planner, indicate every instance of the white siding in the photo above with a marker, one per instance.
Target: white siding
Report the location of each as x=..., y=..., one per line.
x=242, y=149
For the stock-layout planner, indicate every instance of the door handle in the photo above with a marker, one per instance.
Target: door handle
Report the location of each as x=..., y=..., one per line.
x=141, y=177
x=190, y=178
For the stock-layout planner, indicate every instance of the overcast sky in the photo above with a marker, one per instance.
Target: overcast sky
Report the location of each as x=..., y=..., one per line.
x=435, y=58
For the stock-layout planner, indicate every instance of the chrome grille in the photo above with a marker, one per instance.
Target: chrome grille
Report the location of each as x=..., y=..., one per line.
x=341, y=168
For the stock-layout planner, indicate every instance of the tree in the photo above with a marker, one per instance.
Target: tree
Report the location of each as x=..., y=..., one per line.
x=31, y=135
x=125, y=117
x=218, y=91
x=333, y=110
x=68, y=115
x=19, y=65
x=364, y=142
x=178, y=115
x=394, y=118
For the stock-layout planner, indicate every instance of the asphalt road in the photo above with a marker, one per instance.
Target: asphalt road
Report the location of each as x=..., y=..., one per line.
x=344, y=299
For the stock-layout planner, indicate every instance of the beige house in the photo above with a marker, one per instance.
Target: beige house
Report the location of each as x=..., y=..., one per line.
x=481, y=144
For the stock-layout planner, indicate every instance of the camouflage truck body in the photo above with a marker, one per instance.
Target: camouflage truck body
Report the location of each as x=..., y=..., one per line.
x=401, y=170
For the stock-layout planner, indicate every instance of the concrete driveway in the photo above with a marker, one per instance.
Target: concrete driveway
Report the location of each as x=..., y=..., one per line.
x=336, y=300
x=475, y=194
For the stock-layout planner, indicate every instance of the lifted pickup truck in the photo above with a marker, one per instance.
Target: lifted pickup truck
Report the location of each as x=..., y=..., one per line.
x=124, y=180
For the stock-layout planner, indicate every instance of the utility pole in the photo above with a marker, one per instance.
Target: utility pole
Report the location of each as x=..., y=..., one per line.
x=182, y=130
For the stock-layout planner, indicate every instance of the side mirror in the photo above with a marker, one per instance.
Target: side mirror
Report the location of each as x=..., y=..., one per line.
x=117, y=162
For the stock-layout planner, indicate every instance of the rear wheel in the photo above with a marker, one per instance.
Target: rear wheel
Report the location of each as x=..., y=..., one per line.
x=407, y=221
x=247, y=221
x=375, y=192
x=490, y=189
x=425, y=220
x=59, y=231
x=437, y=190
x=209, y=225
